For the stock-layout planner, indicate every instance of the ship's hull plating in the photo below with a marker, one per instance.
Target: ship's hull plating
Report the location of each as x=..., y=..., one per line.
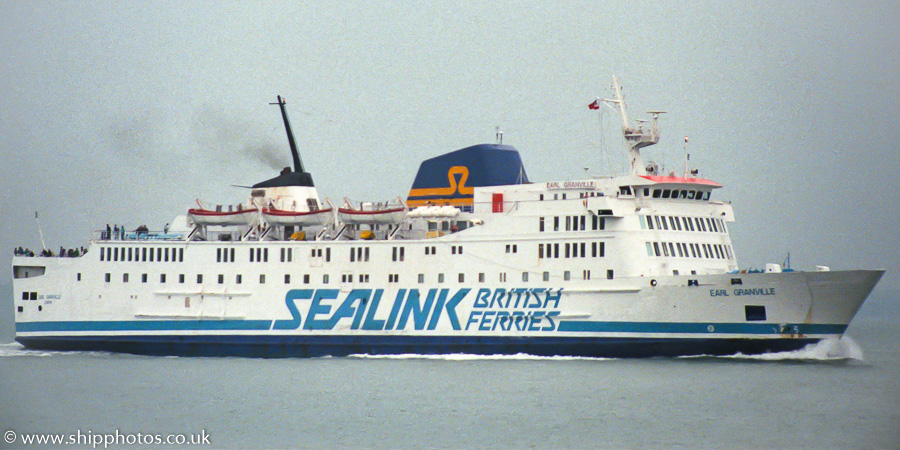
x=268, y=346
x=666, y=317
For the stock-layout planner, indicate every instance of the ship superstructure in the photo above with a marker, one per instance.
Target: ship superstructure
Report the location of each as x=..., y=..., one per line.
x=476, y=259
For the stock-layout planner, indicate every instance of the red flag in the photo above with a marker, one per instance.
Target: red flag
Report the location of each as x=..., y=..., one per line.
x=594, y=105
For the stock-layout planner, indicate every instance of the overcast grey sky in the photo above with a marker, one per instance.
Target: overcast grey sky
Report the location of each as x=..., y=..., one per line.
x=125, y=112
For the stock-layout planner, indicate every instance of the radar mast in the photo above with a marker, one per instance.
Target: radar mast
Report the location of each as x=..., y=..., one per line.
x=636, y=137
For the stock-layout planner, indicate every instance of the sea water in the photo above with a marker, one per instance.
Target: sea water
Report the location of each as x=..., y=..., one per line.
x=836, y=394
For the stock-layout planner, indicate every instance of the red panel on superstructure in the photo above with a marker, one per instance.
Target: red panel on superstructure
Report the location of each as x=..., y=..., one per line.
x=497, y=202
x=680, y=180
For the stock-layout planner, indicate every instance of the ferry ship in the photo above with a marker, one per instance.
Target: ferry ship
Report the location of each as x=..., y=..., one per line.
x=476, y=259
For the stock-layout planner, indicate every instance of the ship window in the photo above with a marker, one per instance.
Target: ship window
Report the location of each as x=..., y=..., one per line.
x=665, y=249
x=540, y=251
x=567, y=249
x=524, y=276
x=462, y=277
x=666, y=193
x=676, y=224
x=106, y=278
x=287, y=278
x=124, y=277
x=567, y=275
x=583, y=220
x=641, y=218
x=162, y=278
x=221, y=279
x=680, y=252
x=144, y=254
x=143, y=278
x=568, y=223
x=556, y=223
x=755, y=312
x=672, y=249
x=262, y=278
x=690, y=195
x=238, y=279
x=282, y=254
x=656, y=193
x=306, y=278
x=541, y=223
x=199, y=278
x=541, y=197
x=546, y=276
x=327, y=254
x=421, y=278
x=481, y=277
x=556, y=250
x=503, y=277
x=129, y=254
x=440, y=278
x=656, y=248
x=325, y=279
x=586, y=274
x=649, y=222
x=181, y=278
x=610, y=274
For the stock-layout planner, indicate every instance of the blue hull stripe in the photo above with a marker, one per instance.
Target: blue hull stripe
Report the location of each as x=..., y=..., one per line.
x=274, y=346
x=699, y=328
x=564, y=326
x=145, y=325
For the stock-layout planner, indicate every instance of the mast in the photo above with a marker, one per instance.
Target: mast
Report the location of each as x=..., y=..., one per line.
x=298, y=177
x=635, y=137
x=298, y=165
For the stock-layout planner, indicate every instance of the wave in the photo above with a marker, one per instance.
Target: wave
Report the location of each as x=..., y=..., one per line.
x=15, y=349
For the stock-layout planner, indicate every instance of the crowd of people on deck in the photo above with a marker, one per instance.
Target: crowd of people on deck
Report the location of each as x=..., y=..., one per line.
x=63, y=252
x=116, y=232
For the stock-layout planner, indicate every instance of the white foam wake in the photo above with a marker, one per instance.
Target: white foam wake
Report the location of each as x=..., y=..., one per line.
x=831, y=349
x=473, y=357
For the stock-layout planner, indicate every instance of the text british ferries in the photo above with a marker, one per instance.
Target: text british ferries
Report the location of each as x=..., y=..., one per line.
x=520, y=309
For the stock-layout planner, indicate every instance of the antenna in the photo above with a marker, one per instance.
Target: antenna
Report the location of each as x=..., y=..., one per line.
x=298, y=165
x=499, y=135
x=40, y=230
